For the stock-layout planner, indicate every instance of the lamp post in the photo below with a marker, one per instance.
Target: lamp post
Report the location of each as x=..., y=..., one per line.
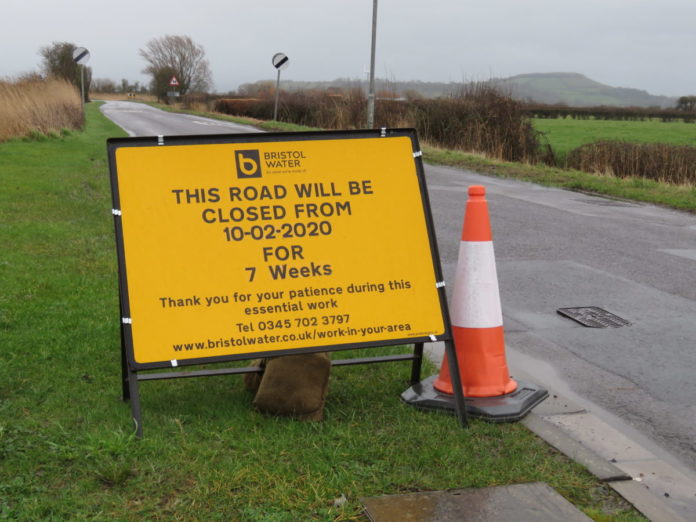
x=371, y=93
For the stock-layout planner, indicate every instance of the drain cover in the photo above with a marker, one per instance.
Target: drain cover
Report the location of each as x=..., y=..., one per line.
x=593, y=317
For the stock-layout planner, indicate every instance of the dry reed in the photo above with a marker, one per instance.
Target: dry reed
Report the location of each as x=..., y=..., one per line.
x=656, y=161
x=38, y=106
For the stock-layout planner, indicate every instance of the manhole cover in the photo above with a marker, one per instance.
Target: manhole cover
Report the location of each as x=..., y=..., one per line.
x=593, y=317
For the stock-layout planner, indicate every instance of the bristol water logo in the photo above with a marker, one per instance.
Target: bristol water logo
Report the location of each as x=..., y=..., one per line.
x=248, y=163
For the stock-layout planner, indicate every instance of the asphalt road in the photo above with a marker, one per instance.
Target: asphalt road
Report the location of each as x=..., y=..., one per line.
x=138, y=119
x=558, y=249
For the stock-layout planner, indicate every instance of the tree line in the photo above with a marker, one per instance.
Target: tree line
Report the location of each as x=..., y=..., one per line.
x=682, y=112
x=181, y=57
x=168, y=56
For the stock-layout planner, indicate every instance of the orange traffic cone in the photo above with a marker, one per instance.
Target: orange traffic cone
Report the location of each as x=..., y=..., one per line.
x=477, y=319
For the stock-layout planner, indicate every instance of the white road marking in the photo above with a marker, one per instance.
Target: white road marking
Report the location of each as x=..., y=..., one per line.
x=686, y=253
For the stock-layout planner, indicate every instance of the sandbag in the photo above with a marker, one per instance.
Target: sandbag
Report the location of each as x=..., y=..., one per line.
x=294, y=385
x=252, y=381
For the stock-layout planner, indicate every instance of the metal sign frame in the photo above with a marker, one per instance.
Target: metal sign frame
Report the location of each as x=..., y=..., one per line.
x=132, y=369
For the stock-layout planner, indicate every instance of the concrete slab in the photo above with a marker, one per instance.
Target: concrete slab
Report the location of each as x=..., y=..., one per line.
x=600, y=437
x=595, y=464
x=535, y=502
x=665, y=481
x=648, y=504
x=669, y=485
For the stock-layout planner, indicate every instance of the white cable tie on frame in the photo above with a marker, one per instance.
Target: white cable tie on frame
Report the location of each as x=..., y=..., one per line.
x=115, y=212
x=433, y=338
x=440, y=284
x=126, y=320
x=174, y=363
x=160, y=140
x=383, y=132
x=418, y=154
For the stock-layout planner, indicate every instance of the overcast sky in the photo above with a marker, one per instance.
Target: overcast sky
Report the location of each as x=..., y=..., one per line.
x=644, y=44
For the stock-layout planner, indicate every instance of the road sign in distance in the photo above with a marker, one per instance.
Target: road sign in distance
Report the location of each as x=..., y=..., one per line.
x=280, y=61
x=81, y=56
x=174, y=82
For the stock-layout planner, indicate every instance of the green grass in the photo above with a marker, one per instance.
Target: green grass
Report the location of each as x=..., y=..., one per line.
x=66, y=445
x=566, y=134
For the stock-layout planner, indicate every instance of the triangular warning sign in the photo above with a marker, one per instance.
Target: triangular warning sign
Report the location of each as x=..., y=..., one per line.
x=173, y=82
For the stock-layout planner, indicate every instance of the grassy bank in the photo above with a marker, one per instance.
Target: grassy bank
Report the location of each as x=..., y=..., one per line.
x=681, y=197
x=206, y=454
x=566, y=134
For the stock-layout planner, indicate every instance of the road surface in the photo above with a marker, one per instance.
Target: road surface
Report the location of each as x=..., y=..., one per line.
x=138, y=119
x=558, y=249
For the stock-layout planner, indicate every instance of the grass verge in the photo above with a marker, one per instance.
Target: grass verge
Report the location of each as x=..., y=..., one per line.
x=206, y=454
x=681, y=197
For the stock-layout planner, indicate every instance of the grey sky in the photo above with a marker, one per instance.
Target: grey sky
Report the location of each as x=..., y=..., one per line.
x=644, y=44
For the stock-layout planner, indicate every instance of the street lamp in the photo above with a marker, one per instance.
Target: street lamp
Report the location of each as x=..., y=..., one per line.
x=371, y=93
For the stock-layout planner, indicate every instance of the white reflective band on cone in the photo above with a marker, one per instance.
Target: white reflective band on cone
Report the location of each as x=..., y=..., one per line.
x=476, y=299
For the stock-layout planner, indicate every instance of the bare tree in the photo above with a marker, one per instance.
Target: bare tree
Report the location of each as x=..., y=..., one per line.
x=176, y=56
x=58, y=62
x=103, y=85
x=686, y=103
x=259, y=89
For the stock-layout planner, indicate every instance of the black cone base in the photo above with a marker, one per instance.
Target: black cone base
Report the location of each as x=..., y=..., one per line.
x=504, y=408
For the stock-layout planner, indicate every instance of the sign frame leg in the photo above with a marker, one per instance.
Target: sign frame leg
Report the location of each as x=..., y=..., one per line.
x=417, y=363
x=134, y=393
x=125, y=377
x=130, y=390
x=125, y=390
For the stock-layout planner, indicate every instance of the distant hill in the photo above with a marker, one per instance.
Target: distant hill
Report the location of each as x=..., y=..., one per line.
x=577, y=90
x=572, y=89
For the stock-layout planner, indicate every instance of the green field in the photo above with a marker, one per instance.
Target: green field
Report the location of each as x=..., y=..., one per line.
x=566, y=134
x=67, y=449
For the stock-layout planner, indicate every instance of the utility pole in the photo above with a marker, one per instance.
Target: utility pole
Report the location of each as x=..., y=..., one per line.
x=371, y=93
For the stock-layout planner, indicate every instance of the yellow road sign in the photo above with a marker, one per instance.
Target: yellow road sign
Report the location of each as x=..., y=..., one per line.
x=230, y=247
